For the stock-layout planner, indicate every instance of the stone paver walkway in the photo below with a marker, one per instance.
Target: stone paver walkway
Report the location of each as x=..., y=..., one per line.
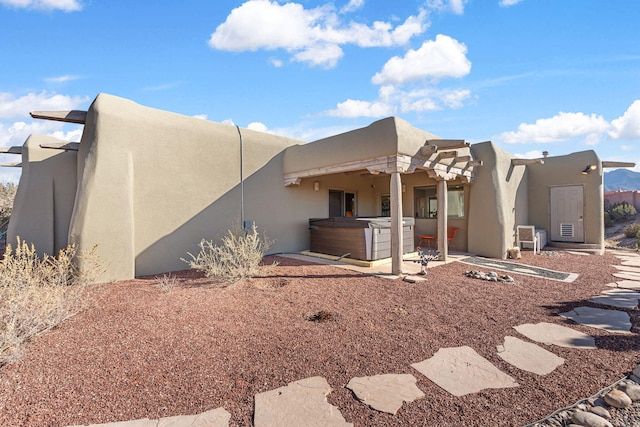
x=215, y=418
x=528, y=356
x=610, y=320
x=301, y=403
x=387, y=392
x=457, y=370
x=460, y=371
x=550, y=333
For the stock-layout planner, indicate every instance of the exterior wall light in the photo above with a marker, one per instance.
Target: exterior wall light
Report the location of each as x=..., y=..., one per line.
x=588, y=169
x=316, y=185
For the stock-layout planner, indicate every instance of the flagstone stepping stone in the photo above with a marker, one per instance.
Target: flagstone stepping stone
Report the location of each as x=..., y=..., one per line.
x=627, y=275
x=300, y=403
x=550, y=333
x=387, y=392
x=528, y=356
x=460, y=371
x=214, y=418
x=622, y=298
x=628, y=268
x=609, y=320
x=578, y=253
x=633, y=285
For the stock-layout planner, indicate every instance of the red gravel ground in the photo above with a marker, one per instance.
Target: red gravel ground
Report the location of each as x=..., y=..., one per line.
x=140, y=352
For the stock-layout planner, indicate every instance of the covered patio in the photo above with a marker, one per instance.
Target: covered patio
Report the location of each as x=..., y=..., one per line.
x=389, y=147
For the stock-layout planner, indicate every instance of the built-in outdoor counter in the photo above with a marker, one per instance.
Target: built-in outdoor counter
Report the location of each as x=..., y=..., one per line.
x=366, y=239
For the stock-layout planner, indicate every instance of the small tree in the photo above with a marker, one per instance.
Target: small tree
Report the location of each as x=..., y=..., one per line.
x=622, y=211
x=237, y=256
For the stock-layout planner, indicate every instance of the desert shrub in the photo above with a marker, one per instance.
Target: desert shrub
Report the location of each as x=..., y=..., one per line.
x=632, y=230
x=237, y=256
x=7, y=195
x=621, y=211
x=607, y=220
x=36, y=294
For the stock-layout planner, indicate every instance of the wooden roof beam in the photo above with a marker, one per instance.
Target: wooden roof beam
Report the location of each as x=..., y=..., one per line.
x=520, y=162
x=447, y=155
x=606, y=164
x=11, y=150
x=11, y=165
x=67, y=146
x=447, y=144
x=73, y=116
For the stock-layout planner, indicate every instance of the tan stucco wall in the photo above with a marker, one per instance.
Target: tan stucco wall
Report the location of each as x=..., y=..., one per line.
x=384, y=137
x=566, y=170
x=45, y=196
x=497, y=202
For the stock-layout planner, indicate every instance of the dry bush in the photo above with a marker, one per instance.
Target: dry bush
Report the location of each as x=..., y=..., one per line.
x=167, y=282
x=36, y=294
x=7, y=195
x=238, y=255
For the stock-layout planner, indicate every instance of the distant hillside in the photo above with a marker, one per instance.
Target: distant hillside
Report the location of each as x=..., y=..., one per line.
x=621, y=179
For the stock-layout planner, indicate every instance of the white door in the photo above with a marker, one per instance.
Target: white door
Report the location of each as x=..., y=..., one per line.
x=567, y=211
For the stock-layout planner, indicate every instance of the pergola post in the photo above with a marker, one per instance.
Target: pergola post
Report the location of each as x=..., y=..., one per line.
x=396, y=223
x=442, y=219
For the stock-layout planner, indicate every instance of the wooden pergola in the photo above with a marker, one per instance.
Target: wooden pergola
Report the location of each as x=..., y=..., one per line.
x=443, y=159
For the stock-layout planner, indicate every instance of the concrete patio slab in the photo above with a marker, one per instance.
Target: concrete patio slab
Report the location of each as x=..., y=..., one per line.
x=460, y=371
x=387, y=392
x=528, y=356
x=218, y=417
x=622, y=298
x=631, y=262
x=609, y=320
x=550, y=333
x=301, y=403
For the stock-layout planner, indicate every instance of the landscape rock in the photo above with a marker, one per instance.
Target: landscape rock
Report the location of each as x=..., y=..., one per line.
x=386, y=393
x=599, y=410
x=631, y=390
x=636, y=371
x=617, y=399
x=588, y=419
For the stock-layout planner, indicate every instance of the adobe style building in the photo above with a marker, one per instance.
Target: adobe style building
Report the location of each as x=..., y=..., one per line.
x=146, y=186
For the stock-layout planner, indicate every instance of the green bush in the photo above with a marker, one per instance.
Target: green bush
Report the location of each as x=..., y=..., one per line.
x=632, y=230
x=622, y=211
x=236, y=257
x=607, y=220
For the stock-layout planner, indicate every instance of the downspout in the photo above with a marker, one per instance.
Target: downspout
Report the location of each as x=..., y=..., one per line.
x=242, y=224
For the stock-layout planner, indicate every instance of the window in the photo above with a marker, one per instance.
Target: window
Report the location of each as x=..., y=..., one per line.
x=341, y=203
x=426, y=202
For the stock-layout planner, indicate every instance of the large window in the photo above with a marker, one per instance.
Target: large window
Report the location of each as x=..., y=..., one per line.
x=426, y=202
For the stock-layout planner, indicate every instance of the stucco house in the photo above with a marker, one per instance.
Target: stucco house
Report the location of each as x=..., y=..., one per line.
x=147, y=185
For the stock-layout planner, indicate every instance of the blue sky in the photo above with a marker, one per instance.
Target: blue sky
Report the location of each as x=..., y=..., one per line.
x=530, y=75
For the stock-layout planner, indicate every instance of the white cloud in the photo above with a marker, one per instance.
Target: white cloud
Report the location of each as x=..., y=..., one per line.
x=435, y=59
x=628, y=125
x=533, y=154
x=64, y=5
x=72, y=135
x=454, y=6
x=561, y=127
x=276, y=62
x=422, y=68
x=259, y=127
x=201, y=116
x=353, y=108
x=18, y=132
x=507, y=3
x=313, y=36
x=14, y=107
x=61, y=79
x=352, y=6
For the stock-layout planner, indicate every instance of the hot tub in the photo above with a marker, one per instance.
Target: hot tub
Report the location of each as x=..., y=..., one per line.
x=366, y=239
